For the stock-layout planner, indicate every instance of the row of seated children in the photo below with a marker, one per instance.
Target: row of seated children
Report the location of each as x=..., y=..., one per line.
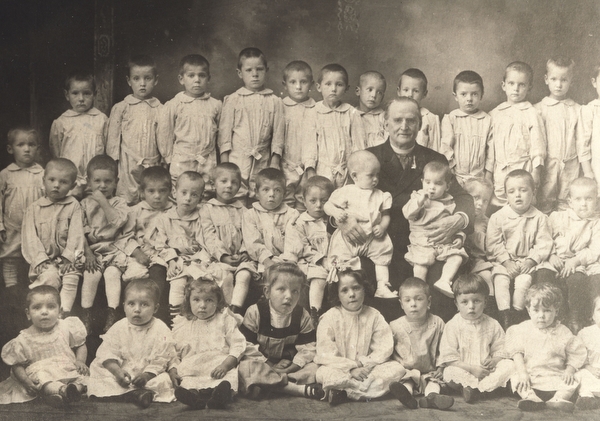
x=354, y=355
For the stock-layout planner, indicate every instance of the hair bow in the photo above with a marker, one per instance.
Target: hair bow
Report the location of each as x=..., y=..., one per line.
x=340, y=264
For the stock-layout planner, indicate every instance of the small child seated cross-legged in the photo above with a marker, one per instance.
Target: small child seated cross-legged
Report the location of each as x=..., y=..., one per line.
x=104, y=217
x=52, y=236
x=285, y=337
x=307, y=241
x=48, y=358
x=354, y=344
x=589, y=375
x=417, y=337
x=370, y=92
x=518, y=240
x=545, y=352
x=425, y=206
x=175, y=238
x=209, y=346
x=371, y=208
x=263, y=229
x=133, y=358
x=472, y=346
x=79, y=134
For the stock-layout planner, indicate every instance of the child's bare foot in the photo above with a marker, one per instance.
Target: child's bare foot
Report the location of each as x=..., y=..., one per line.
x=383, y=291
x=444, y=287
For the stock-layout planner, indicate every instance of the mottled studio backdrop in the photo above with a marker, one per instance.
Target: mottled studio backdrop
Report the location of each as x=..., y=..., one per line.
x=41, y=40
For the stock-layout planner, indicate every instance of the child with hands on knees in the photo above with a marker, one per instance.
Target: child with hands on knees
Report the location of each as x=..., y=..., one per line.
x=590, y=125
x=516, y=139
x=371, y=208
x=48, y=358
x=354, y=344
x=53, y=240
x=21, y=184
x=339, y=128
x=574, y=257
x=299, y=157
x=545, y=352
x=188, y=123
x=465, y=130
x=285, y=337
x=252, y=127
x=79, y=134
x=133, y=358
x=472, y=346
x=425, y=206
x=133, y=128
x=589, y=375
x=413, y=84
x=518, y=240
x=567, y=148
x=175, y=238
x=263, y=229
x=209, y=346
x=370, y=92
x=417, y=337
x=307, y=241
x=104, y=216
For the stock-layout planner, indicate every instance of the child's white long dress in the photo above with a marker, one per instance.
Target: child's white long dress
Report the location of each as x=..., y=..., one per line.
x=137, y=349
x=345, y=338
x=204, y=344
x=46, y=356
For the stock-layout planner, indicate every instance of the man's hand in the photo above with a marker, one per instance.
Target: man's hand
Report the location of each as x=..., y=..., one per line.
x=443, y=230
x=352, y=231
x=141, y=257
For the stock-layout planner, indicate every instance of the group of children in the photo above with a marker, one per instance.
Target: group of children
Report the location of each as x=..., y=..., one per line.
x=209, y=229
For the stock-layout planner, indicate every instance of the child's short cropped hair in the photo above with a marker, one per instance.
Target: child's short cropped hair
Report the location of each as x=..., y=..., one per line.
x=470, y=283
x=333, y=68
x=79, y=76
x=29, y=131
x=206, y=286
x=62, y=164
x=471, y=183
x=320, y=182
x=359, y=276
x=42, y=290
x=269, y=174
x=148, y=285
x=519, y=66
x=229, y=167
x=546, y=294
x=193, y=60
x=102, y=162
x=141, y=60
x=155, y=174
x=565, y=62
x=362, y=160
x=251, y=52
x=192, y=176
x=415, y=74
x=526, y=175
x=586, y=183
x=468, y=76
x=439, y=167
x=372, y=74
x=273, y=272
x=416, y=283
x=297, y=66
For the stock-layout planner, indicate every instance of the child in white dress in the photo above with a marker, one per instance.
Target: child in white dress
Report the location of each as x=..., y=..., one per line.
x=589, y=375
x=371, y=208
x=545, y=352
x=472, y=346
x=48, y=358
x=135, y=352
x=209, y=346
x=417, y=337
x=354, y=344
